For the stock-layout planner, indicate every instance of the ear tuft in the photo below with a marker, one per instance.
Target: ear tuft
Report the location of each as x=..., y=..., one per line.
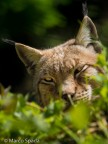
x=85, y=10
x=8, y=41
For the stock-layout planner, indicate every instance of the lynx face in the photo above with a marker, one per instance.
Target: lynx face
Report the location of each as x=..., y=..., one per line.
x=64, y=71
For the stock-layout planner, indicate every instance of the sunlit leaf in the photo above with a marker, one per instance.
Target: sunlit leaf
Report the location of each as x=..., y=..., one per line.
x=79, y=116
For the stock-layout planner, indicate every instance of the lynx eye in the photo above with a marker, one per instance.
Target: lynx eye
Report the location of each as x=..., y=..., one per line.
x=47, y=80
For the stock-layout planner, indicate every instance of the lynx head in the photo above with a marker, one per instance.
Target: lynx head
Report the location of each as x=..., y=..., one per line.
x=64, y=71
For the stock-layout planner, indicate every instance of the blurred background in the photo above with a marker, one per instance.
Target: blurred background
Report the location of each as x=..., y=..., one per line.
x=42, y=24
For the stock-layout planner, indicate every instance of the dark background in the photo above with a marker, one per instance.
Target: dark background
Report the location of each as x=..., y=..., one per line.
x=42, y=24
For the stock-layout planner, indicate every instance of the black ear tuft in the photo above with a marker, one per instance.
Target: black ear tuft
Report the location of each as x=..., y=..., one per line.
x=8, y=41
x=85, y=9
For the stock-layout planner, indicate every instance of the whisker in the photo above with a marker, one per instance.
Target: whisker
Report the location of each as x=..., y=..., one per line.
x=70, y=99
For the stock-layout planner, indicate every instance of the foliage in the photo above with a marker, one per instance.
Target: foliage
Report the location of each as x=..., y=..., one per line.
x=84, y=123
x=33, y=16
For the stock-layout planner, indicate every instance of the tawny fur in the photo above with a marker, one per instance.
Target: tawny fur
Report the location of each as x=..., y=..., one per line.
x=65, y=70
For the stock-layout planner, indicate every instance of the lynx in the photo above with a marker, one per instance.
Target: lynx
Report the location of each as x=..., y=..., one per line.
x=65, y=71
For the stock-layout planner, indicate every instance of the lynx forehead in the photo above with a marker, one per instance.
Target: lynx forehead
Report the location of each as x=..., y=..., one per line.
x=64, y=71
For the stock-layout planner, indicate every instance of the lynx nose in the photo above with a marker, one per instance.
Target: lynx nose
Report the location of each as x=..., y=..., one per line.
x=65, y=96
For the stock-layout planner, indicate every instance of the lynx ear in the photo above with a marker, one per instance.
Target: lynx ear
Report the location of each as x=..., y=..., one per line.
x=29, y=56
x=87, y=35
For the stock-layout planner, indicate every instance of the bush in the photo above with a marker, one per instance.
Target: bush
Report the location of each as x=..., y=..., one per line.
x=84, y=123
